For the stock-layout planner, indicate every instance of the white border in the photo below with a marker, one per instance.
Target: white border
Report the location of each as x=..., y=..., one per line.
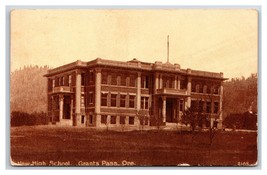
x=156, y=3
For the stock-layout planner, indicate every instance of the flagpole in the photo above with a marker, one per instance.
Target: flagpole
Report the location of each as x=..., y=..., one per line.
x=168, y=49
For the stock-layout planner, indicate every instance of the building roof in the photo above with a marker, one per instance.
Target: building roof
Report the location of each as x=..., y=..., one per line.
x=134, y=64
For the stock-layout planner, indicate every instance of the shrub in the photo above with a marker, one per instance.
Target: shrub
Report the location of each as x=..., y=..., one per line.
x=241, y=121
x=234, y=121
x=22, y=118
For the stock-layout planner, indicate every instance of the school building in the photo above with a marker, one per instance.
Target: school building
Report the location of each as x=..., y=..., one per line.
x=105, y=92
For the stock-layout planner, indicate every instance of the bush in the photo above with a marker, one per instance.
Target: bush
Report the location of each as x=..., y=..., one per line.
x=22, y=118
x=250, y=121
x=233, y=121
x=241, y=121
x=41, y=118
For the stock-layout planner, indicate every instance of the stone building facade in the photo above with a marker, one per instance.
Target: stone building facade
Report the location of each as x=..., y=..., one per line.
x=114, y=93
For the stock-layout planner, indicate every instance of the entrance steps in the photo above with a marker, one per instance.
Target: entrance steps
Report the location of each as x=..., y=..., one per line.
x=175, y=126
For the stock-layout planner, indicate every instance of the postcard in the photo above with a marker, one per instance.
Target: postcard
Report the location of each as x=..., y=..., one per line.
x=134, y=87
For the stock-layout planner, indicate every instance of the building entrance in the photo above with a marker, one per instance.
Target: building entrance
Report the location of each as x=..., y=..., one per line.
x=67, y=107
x=171, y=108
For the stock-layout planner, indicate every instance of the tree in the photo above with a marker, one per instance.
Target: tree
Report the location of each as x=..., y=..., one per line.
x=28, y=89
x=239, y=95
x=192, y=116
x=142, y=116
x=195, y=116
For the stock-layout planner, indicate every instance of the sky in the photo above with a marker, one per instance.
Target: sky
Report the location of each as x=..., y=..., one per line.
x=217, y=40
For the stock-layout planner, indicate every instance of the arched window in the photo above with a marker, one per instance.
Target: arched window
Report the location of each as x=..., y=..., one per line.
x=200, y=88
x=104, y=77
x=205, y=89
x=208, y=89
x=197, y=87
x=193, y=87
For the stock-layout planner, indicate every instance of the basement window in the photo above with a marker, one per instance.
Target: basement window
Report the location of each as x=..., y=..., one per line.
x=103, y=119
x=131, y=120
x=113, y=119
x=122, y=119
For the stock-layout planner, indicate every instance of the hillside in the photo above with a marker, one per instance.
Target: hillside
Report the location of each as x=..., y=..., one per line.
x=28, y=89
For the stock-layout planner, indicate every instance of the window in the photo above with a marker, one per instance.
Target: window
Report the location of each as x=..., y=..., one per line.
x=113, y=79
x=183, y=84
x=66, y=108
x=181, y=105
x=69, y=80
x=144, y=102
x=53, y=84
x=205, y=89
x=197, y=88
x=172, y=82
x=57, y=82
x=208, y=90
x=144, y=81
x=61, y=83
x=66, y=81
x=193, y=87
x=131, y=120
x=123, y=80
x=146, y=120
x=122, y=119
x=200, y=106
x=91, y=77
x=104, y=99
x=103, y=119
x=131, y=101
x=216, y=107
x=208, y=107
x=90, y=119
x=104, y=77
x=113, y=119
x=122, y=100
x=165, y=83
x=194, y=105
x=168, y=82
x=82, y=79
x=147, y=81
x=216, y=90
x=82, y=101
x=82, y=118
x=200, y=88
x=90, y=98
x=113, y=100
x=132, y=81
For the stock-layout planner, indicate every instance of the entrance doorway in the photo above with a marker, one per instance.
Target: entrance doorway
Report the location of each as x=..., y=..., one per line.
x=66, y=107
x=171, y=108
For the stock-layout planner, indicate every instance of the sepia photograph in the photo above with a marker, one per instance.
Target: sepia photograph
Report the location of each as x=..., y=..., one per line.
x=134, y=87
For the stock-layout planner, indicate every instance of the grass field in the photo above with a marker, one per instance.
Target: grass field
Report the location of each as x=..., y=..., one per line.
x=51, y=145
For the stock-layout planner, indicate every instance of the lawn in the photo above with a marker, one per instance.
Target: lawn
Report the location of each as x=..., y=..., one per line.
x=52, y=146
